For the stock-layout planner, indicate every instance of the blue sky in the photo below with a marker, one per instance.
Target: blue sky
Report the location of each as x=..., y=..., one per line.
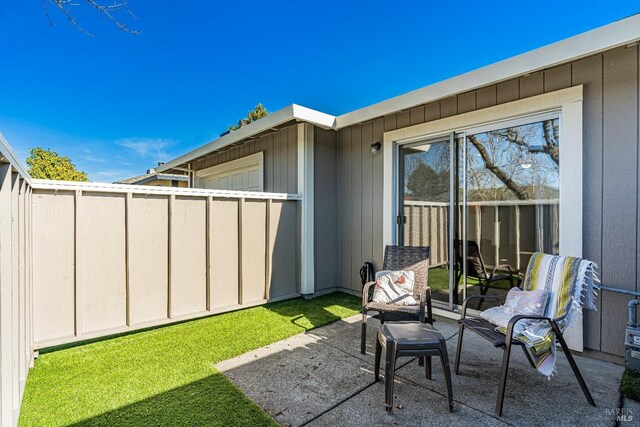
x=118, y=103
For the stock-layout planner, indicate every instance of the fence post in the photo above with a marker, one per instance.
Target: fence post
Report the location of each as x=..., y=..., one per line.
x=172, y=198
x=208, y=250
x=6, y=410
x=240, y=278
x=77, y=282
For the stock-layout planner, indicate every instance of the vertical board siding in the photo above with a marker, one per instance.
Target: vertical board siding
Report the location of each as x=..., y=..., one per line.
x=486, y=97
x=346, y=208
x=148, y=258
x=103, y=282
x=610, y=193
x=355, y=201
x=366, y=193
x=376, y=167
x=188, y=257
x=619, y=195
x=531, y=85
x=325, y=209
x=508, y=91
x=280, y=159
x=53, y=277
x=283, y=249
x=588, y=72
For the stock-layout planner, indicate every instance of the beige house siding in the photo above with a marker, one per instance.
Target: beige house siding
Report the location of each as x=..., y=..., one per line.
x=610, y=193
x=280, y=159
x=167, y=183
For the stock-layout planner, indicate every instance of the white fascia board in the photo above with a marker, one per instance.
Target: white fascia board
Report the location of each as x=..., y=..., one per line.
x=284, y=115
x=314, y=117
x=620, y=33
x=99, y=187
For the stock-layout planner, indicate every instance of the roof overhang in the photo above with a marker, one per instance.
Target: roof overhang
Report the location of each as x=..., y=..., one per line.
x=272, y=121
x=161, y=176
x=620, y=33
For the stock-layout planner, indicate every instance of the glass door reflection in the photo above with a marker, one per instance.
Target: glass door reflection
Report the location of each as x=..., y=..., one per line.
x=425, y=199
x=510, y=179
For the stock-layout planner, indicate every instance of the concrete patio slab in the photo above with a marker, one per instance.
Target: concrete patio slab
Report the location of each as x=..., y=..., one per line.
x=320, y=378
x=299, y=377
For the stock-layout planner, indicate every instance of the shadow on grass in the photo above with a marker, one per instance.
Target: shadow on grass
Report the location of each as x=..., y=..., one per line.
x=319, y=311
x=211, y=401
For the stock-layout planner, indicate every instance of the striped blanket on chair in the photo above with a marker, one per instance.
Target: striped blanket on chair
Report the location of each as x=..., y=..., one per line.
x=570, y=283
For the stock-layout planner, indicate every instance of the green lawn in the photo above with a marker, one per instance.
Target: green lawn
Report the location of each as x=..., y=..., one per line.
x=630, y=385
x=166, y=376
x=439, y=280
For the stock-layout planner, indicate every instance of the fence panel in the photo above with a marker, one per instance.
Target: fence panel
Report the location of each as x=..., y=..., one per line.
x=131, y=257
x=16, y=340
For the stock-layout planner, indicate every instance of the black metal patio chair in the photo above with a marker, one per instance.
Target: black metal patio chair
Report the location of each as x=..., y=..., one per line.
x=408, y=258
x=488, y=331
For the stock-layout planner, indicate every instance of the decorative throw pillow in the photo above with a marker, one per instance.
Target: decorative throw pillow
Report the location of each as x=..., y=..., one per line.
x=517, y=302
x=394, y=287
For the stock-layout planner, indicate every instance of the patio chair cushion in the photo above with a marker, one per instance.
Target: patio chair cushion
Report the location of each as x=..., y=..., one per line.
x=394, y=287
x=517, y=302
x=413, y=309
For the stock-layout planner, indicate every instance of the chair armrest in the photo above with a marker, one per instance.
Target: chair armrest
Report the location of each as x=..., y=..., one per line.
x=476, y=297
x=365, y=293
x=519, y=317
x=506, y=267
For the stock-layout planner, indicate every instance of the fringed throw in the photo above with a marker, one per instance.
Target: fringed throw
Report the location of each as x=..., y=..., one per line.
x=570, y=283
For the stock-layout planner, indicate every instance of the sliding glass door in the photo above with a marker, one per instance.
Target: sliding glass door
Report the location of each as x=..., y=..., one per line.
x=484, y=220
x=425, y=201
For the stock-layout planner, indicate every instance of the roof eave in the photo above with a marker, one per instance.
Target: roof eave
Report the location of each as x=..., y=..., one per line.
x=619, y=33
x=284, y=115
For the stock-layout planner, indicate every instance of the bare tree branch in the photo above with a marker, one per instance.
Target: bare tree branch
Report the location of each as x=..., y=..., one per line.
x=108, y=10
x=551, y=141
x=499, y=173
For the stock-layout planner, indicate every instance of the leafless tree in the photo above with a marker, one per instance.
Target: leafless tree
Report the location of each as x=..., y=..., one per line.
x=500, y=154
x=112, y=11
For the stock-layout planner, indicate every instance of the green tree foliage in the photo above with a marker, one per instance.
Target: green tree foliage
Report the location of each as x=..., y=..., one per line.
x=424, y=183
x=47, y=164
x=258, y=112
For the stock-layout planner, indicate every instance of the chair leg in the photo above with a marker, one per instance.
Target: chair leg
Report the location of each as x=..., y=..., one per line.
x=363, y=334
x=389, y=374
x=378, y=357
x=503, y=378
x=446, y=371
x=426, y=361
x=456, y=367
x=483, y=291
x=574, y=366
